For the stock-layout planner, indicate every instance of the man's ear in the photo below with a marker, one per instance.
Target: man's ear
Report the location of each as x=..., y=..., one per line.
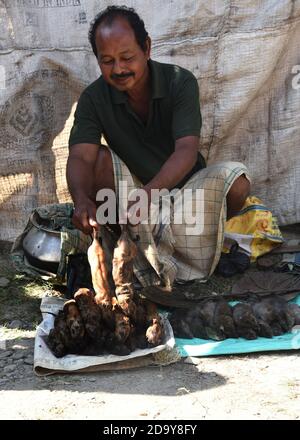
x=148, y=47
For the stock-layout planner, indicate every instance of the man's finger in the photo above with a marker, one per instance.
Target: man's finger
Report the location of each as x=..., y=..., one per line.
x=92, y=218
x=81, y=222
x=93, y=223
x=85, y=223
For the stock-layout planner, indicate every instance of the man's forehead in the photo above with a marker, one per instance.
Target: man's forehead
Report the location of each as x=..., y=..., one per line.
x=119, y=28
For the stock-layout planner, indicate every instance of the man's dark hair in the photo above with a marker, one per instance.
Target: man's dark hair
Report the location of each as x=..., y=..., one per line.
x=109, y=14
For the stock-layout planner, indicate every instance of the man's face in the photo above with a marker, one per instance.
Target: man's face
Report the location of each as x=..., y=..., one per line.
x=122, y=61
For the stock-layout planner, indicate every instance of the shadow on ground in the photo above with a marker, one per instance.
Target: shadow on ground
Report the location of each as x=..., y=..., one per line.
x=172, y=380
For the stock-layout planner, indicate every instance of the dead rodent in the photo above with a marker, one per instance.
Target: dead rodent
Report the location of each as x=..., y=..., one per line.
x=60, y=340
x=122, y=272
x=181, y=324
x=207, y=311
x=125, y=338
x=215, y=319
x=188, y=324
x=73, y=319
x=153, y=323
x=155, y=332
x=275, y=314
x=113, y=346
x=100, y=279
x=285, y=318
x=208, y=320
x=108, y=312
x=265, y=330
x=90, y=313
x=122, y=327
x=224, y=319
x=150, y=309
x=136, y=339
x=142, y=317
x=294, y=310
x=245, y=322
x=128, y=306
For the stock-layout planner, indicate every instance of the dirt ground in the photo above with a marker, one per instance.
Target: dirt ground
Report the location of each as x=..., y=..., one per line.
x=256, y=386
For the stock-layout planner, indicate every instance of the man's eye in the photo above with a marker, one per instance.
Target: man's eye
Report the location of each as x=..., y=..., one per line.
x=128, y=58
x=107, y=61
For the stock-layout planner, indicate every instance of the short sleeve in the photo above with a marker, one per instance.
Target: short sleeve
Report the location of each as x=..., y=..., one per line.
x=87, y=127
x=186, y=120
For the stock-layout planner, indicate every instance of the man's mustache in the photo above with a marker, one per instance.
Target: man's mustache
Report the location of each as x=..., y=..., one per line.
x=121, y=75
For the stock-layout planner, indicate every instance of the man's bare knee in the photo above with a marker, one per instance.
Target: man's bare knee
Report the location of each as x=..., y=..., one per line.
x=237, y=195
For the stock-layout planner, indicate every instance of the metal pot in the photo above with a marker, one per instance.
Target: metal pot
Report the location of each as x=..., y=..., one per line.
x=42, y=246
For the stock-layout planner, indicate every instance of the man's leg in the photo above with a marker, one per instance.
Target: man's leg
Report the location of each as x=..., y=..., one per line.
x=237, y=195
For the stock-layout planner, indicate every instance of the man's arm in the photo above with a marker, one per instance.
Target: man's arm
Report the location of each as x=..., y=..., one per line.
x=80, y=178
x=186, y=125
x=178, y=165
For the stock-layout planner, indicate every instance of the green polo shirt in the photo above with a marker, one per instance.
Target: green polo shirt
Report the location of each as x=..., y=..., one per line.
x=174, y=113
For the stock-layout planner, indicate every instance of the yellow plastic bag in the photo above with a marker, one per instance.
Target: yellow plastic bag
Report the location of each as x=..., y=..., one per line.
x=254, y=228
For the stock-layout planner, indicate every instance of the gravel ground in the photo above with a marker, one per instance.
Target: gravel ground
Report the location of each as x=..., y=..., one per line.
x=256, y=386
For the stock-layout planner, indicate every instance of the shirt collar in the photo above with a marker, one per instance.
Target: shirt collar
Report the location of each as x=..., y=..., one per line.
x=158, y=82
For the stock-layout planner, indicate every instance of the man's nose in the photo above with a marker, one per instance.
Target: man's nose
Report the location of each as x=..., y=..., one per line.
x=118, y=67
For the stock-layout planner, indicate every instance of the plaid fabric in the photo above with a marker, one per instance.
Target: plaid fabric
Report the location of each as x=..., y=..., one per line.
x=166, y=251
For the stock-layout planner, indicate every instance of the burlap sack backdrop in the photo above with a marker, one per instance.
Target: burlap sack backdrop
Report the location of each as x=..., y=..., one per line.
x=243, y=53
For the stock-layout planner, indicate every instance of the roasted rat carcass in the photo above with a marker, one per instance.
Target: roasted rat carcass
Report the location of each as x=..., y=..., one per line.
x=59, y=338
x=96, y=258
x=155, y=330
x=68, y=334
x=115, y=324
x=73, y=319
x=91, y=315
x=122, y=272
x=154, y=333
x=122, y=327
x=124, y=254
x=100, y=280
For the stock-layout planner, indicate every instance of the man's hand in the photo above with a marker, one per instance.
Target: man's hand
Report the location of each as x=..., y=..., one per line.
x=80, y=178
x=84, y=217
x=177, y=166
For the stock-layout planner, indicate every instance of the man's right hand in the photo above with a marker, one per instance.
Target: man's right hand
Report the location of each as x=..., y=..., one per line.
x=84, y=216
x=80, y=178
